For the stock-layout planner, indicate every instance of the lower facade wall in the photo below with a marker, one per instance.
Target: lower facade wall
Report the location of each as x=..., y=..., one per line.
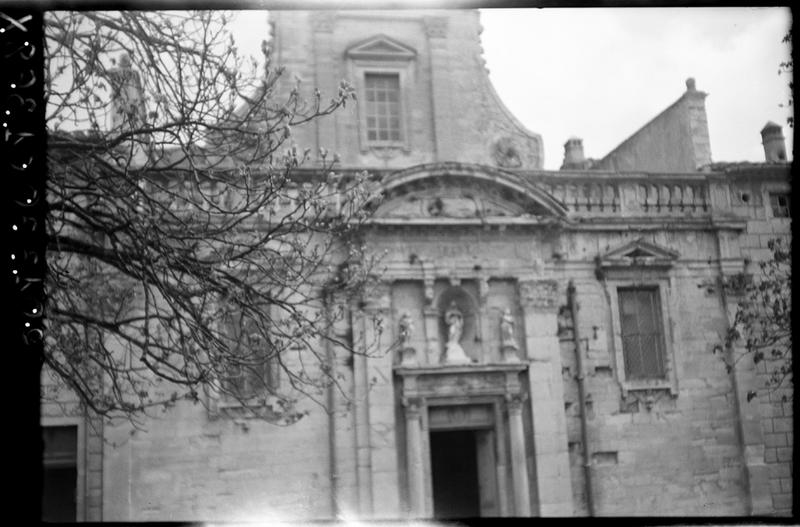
x=682, y=456
x=188, y=468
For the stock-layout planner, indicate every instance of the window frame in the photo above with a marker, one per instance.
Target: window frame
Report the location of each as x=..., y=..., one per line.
x=771, y=207
x=400, y=129
x=767, y=190
x=80, y=460
x=653, y=295
x=381, y=55
x=363, y=68
x=662, y=287
x=219, y=399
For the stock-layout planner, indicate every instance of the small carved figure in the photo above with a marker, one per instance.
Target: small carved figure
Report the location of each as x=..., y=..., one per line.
x=455, y=323
x=507, y=329
x=406, y=327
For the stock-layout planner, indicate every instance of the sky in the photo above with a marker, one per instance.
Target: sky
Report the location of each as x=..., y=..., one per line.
x=600, y=74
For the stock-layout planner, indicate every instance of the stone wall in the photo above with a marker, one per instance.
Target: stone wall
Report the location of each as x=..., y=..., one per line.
x=674, y=141
x=682, y=456
x=774, y=406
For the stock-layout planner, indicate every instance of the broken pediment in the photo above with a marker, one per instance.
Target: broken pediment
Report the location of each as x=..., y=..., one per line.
x=381, y=47
x=463, y=192
x=639, y=253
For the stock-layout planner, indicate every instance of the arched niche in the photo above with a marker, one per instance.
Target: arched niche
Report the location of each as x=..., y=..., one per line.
x=471, y=334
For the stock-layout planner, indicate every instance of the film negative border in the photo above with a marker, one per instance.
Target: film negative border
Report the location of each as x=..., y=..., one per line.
x=23, y=161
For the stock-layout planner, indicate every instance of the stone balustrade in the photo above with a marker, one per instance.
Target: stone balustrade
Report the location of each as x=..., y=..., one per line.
x=590, y=194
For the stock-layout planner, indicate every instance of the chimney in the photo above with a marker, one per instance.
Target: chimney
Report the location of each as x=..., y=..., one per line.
x=127, y=104
x=573, y=154
x=773, y=141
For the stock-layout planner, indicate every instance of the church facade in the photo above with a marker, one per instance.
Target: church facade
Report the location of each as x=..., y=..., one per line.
x=553, y=337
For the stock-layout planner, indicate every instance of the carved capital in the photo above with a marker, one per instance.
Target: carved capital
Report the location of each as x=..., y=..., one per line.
x=514, y=401
x=413, y=406
x=436, y=27
x=539, y=294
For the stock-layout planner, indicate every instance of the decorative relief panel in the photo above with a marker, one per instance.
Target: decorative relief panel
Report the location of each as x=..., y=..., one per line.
x=540, y=294
x=455, y=416
x=450, y=203
x=453, y=384
x=506, y=153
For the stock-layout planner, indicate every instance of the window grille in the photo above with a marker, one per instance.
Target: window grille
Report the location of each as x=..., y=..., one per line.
x=251, y=371
x=780, y=205
x=642, y=333
x=382, y=107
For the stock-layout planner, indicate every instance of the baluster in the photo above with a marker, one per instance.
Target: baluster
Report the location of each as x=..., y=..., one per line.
x=689, y=197
x=665, y=197
x=597, y=196
x=677, y=197
x=641, y=197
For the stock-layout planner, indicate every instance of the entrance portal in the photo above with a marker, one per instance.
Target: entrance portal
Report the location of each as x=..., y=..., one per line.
x=454, y=463
x=463, y=470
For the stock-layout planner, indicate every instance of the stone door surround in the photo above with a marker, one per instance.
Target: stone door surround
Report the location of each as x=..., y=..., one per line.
x=470, y=396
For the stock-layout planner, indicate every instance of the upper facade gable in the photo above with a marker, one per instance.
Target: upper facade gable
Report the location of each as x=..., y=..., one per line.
x=379, y=48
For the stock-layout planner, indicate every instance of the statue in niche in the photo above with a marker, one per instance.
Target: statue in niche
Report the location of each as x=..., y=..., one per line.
x=508, y=341
x=405, y=331
x=454, y=353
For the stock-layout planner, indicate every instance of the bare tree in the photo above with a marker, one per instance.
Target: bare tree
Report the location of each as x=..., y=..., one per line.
x=186, y=255
x=762, y=324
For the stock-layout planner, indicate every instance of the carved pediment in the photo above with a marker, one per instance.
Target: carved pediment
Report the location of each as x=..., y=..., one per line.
x=463, y=192
x=461, y=202
x=639, y=253
x=381, y=47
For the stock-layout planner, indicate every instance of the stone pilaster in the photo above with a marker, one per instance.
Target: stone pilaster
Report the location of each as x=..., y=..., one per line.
x=377, y=449
x=416, y=465
x=540, y=299
x=446, y=143
x=744, y=379
x=519, y=471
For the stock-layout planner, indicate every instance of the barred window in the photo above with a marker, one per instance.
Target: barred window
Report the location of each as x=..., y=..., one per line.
x=780, y=205
x=382, y=107
x=252, y=371
x=642, y=333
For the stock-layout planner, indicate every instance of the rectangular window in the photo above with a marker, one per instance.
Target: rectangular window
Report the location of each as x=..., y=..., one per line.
x=382, y=107
x=642, y=333
x=780, y=205
x=252, y=372
x=60, y=475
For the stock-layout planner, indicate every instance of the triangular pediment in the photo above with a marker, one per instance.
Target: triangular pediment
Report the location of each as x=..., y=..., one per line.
x=381, y=47
x=639, y=253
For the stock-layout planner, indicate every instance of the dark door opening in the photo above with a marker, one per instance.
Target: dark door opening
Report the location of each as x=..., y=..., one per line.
x=454, y=466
